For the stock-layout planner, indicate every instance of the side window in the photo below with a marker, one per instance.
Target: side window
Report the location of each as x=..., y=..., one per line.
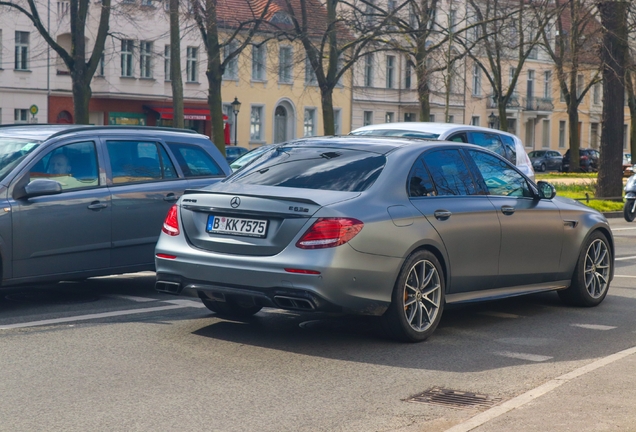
x=458, y=137
x=195, y=161
x=139, y=161
x=420, y=183
x=500, y=178
x=449, y=172
x=490, y=141
x=511, y=149
x=74, y=166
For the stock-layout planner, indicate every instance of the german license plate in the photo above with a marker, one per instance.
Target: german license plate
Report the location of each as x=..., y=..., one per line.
x=236, y=226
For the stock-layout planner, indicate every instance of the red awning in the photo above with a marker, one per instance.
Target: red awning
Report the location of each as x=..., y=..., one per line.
x=167, y=113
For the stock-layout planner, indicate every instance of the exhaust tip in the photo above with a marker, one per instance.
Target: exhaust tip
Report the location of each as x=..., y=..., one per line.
x=168, y=287
x=297, y=303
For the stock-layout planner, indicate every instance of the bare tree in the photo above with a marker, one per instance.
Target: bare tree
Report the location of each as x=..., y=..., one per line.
x=176, y=81
x=614, y=52
x=233, y=29
x=630, y=80
x=81, y=69
x=574, y=50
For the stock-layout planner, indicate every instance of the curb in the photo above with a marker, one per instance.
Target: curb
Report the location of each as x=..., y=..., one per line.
x=614, y=214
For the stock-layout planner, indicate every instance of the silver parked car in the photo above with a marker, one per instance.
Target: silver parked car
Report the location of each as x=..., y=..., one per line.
x=81, y=201
x=380, y=226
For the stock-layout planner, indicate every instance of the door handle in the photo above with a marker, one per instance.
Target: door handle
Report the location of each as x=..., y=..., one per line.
x=507, y=210
x=170, y=197
x=96, y=205
x=442, y=214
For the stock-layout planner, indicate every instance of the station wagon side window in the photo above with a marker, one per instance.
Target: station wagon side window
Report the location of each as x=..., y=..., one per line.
x=449, y=173
x=139, y=161
x=419, y=182
x=511, y=150
x=74, y=166
x=500, y=178
x=489, y=141
x=195, y=161
x=458, y=137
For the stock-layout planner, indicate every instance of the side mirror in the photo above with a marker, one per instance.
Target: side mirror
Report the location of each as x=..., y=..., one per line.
x=40, y=187
x=546, y=190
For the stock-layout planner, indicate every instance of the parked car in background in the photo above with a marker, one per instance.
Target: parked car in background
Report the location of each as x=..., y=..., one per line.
x=627, y=165
x=234, y=152
x=504, y=144
x=82, y=201
x=588, y=160
x=544, y=160
x=388, y=227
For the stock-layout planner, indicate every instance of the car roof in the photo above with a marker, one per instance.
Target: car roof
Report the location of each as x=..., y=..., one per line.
x=43, y=132
x=429, y=127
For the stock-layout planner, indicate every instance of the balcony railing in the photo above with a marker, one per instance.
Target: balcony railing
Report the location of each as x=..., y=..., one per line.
x=538, y=104
x=513, y=102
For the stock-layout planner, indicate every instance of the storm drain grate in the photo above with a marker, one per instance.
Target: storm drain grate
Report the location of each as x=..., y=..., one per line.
x=454, y=399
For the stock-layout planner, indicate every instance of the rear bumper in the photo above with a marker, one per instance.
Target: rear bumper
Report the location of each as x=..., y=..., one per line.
x=348, y=281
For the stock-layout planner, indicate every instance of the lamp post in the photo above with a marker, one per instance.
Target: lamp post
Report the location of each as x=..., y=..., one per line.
x=492, y=119
x=236, y=107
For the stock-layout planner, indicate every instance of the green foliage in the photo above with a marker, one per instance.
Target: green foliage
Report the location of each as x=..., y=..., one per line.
x=578, y=192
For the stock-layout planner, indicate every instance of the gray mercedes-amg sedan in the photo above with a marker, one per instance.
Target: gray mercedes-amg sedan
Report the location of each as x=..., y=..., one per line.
x=380, y=226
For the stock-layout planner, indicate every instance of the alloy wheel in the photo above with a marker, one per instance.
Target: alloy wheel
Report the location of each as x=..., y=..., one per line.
x=422, y=295
x=597, y=268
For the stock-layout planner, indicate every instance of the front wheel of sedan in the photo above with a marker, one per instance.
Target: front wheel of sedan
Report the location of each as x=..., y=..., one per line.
x=590, y=281
x=418, y=299
x=232, y=308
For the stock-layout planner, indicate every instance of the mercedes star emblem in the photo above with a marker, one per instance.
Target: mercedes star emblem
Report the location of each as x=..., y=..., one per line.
x=235, y=202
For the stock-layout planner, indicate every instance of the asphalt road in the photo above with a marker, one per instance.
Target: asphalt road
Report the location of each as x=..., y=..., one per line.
x=111, y=354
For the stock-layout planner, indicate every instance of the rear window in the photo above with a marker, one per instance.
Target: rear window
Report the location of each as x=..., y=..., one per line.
x=313, y=168
x=397, y=133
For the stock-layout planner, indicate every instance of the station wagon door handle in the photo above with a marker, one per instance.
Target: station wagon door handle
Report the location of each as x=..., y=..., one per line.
x=170, y=197
x=96, y=205
x=442, y=214
x=507, y=210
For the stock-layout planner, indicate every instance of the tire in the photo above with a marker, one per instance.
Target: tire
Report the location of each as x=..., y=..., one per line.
x=590, y=281
x=232, y=307
x=627, y=210
x=417, y=301
x=542, y=168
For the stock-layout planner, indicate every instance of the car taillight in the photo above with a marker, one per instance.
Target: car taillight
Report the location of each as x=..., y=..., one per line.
x=171, y=224
x=330, y=232
x=583, y=157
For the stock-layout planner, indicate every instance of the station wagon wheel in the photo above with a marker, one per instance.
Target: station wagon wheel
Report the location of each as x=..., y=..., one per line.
x=418, y=299
x=591, y=278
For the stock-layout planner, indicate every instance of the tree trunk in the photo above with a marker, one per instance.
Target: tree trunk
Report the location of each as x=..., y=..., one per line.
x=176, y=81
x=326, y=99
x=215, y=78
x=423, y=94
x=81, y=96
x=614, y=55
x=573, y=126
x=631, y=101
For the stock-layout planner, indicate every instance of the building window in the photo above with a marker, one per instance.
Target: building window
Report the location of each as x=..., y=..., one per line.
x=594, y=135
x=258, y=62
x=389, y=117
x=167, y=68
x=431, y=118
x=408, y=71
x=547, y=84
x=390, y=71
x=562, y=134
x=625, y=136
x=530, y=84
x=21, y=50
x=256, y=123
x=474, y=120
x=368, y=118
x=337, y=121
x=0, y=57
x=452, y=20
x=309, y=124
x=409, y=117
x=285, y=64
x=451, y=119
x=511, y=77
x=100, y=66
x=368, y=70
x=145, y=57
x=476, y=80
x=21, y=115
x=127, y=46
x=310, y=75
x=231, y=67
x=546, y=133
x=191, y=64
x=596, y=94
x=580, y=83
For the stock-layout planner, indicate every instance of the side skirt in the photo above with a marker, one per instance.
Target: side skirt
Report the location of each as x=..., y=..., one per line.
x=499, y=293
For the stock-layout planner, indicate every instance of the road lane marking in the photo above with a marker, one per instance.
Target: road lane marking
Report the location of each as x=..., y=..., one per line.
x=624, y=258
x=594, y=326
x=133, y=298
x=91, y=316
x=625, y=276
x=499, y=314
x=186, y=303
x=622, y=229
x=523, y=356
x=533, y=394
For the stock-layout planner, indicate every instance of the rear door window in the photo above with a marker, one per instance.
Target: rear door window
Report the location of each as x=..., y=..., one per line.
x=74, y=166
x=306, y=167
x=489, y=141
x=450, y=173
x=139, y=161
x=195, y=161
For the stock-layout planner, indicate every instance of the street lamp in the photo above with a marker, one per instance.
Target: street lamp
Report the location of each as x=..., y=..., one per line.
x=492, y=119
x=236, y=107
